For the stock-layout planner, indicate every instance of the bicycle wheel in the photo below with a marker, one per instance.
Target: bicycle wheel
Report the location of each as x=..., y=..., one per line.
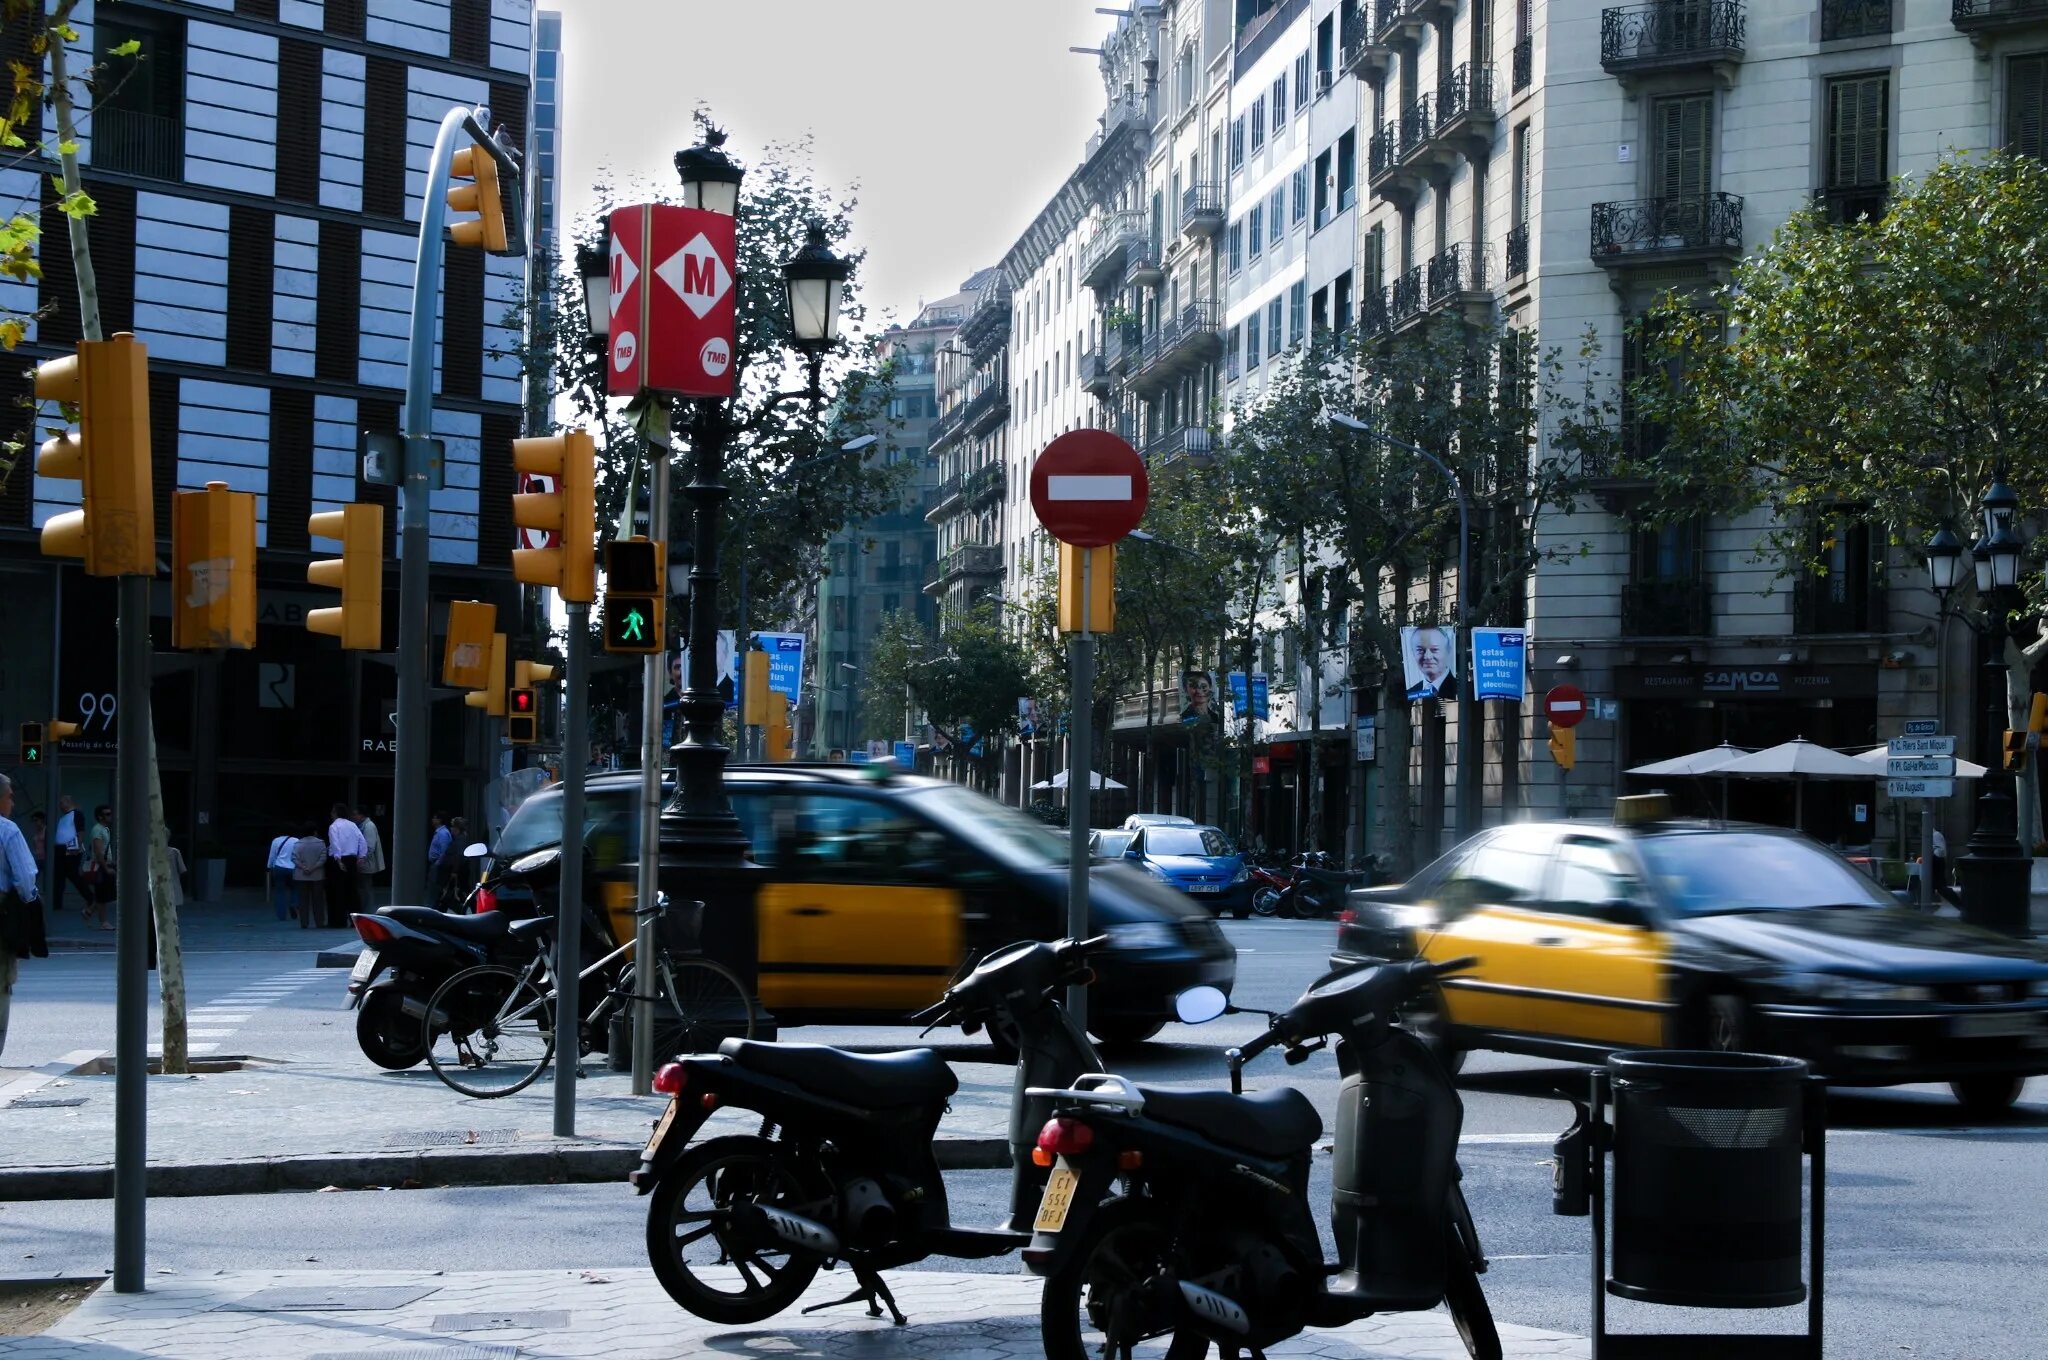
x=500, y=1032
x=700, y=1003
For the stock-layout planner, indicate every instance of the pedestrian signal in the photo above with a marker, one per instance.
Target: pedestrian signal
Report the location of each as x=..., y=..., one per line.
x=522, y=718
x=634, y=619
x=31, y=743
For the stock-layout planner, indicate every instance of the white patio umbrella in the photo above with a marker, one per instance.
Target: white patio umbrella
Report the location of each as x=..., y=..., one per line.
x=1797, y=760
x=1059, y=781
x=1708, y=762
x=1878, y=755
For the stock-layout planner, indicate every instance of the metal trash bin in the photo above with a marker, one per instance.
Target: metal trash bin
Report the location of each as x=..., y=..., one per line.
x=1708, y=1200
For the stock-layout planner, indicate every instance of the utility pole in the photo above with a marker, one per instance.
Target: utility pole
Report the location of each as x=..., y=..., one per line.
x=654, y=431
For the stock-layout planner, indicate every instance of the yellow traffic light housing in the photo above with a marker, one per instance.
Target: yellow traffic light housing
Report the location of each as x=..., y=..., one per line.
x=56, y=730
x=635, y=616
x=476, y=191
x=522, y=717
x=527, y=674
x=778, y=739
x=2037, y=717
x=1564, y=747
x=755, y=696
x=1101, y=577
x=114, y=529
x=358, y=574
x=213, y=568
x=466, y=660
x=491, y=698
x=2015, y=750
x=569, y=512
x=32, y=743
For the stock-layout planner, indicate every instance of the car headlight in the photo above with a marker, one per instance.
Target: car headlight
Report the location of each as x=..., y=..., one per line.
x=1143, y=935
x=1833, y=987
x=1243, y=875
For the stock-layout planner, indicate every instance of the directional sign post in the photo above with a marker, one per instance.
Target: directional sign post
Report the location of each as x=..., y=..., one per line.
x=1089, y=489
x=1920, y=746
x=1920, y=788
x=1916, y=767
x=1921, y=764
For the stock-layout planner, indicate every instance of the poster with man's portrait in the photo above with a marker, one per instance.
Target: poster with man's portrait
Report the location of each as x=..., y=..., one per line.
x=1198, y=698
x=1429, y=662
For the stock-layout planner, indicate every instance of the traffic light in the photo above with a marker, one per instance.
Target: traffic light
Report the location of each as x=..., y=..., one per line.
x=778, y=739
x=1564, y=747
x=1102, y=589
x=491, y=698
x=31, y=743
x=2037, y=718
x=55, y=731
x=755, y=696
x=522, y=717
x=527, y=674
x=569, y=512
x=2015, y=750
x=114, y=529
x=479, y=195
x=634, y=616
x=466, y=661
x=358, y=574
x=213, y=568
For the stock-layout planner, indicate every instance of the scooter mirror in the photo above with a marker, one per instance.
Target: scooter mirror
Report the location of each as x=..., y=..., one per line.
x=475, y=850
x=1200, y=1005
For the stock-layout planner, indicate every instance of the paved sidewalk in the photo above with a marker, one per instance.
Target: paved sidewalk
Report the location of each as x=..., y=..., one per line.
x=618, y=1315
x=305, y=1125
x=240, y=920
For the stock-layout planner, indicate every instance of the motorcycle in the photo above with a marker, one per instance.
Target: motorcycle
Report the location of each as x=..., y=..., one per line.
x=408, y=952
x=1268, y=883
x=1213, y=1239
x=842, y=1168
x=1313, y=890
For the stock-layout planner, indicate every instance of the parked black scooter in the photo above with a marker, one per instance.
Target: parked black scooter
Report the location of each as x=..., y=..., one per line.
x=1214, y=1240
x=1316, y=891
x=842, y=1169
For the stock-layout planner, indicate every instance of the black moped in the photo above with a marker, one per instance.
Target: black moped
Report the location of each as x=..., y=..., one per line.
x=842, y=1168
x=1213, y=1240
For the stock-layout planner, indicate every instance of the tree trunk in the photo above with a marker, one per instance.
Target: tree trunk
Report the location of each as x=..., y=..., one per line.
x=170, y=967
x=1395, y=741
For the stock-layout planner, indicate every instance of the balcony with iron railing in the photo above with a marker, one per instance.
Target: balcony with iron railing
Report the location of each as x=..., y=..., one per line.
x=1095, y=377
x=1144, y=265
x=1104, y=254
x=947, y=426
x=1672, y=35
x=138, y=143
x=969, y=559
x=1678, y=607
x=1459, y=275
x=1464, y=114
x=1126, y=117
x=1841, y=19
x=1518, y=250
x=1179, y=344
x=945, y=501
x=1395, y=164
x=1981, y=17
x=1373, y=316
x=1404, y=297
x=1201, y=210
x=1121, y=343
x=982, y=483
x=1367, y=54
x=989, y=407
x=1847, y=603
x=1179, y=441
x=987, y=328
x=1401, y=23
x=1655, y=231
x=1847, y=203
x=1525, y=64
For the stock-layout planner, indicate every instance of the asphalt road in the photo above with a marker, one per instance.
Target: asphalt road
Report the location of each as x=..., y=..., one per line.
x=1934, y=1243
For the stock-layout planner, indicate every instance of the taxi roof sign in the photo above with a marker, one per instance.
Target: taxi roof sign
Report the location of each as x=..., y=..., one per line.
x=1641, y=807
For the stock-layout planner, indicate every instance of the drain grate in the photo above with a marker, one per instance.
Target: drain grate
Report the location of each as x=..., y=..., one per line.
x=296, y=1299
x=535, y=1321
x=460, y=1351
x=44, y=1102
x=450, y=1137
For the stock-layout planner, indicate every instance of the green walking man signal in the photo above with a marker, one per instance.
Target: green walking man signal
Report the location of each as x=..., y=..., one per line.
x=32, y=743
x=633, y=604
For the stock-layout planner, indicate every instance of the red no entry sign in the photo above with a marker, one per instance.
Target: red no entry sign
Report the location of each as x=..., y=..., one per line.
x=1089, y=488
x=1565, y=705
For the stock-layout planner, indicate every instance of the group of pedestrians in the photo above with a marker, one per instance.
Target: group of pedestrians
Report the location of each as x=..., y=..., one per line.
x=85, y=858
x=324, y=876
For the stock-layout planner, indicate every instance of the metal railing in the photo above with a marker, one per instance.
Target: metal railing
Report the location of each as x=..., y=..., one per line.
x=1518, y=250
x=1838, y=604
x=1416, y=125
x=138, y=143
x=1382, y=152
x=969, y=559
x=1201, y=209
x=991, y=398
x=1467, y=94
x=1667, y=32
x=983, y=482
x=1195, y=323
x=1094, y=372
x=1373, y=317
x=1525, y=63
x=1673, y=608
x=1846, y=203
x=1104, y=253
x=1133, y=111
x=1969, y=14
x=1457, y=269
x=1854, y=19
x=1652, y=226
x=1404, y=296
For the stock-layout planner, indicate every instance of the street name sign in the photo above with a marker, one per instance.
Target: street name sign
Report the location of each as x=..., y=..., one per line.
x=1089, y=488
x=1922, y=727
x=1920, y=746
x=1910, y=767
x=1920, y=788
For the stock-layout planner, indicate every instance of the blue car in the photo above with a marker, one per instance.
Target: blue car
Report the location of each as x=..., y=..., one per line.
x=1200, y=861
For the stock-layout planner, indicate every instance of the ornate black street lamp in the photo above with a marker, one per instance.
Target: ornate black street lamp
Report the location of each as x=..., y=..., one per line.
x=1994, y=873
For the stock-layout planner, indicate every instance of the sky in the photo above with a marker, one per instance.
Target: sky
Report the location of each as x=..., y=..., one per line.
x=954, y=120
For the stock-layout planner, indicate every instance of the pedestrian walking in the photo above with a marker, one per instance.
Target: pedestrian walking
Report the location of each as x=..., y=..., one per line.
x=70, y=853
x=101, y=908
x=373, y=858
x=21, y=907
x=345, y=849
x=438, y=842
x=309, y=874
x=277, y=871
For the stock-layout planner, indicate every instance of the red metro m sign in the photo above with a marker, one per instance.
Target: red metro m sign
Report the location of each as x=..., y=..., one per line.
x=674, y=314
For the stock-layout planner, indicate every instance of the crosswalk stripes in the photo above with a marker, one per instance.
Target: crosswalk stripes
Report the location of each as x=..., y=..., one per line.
x=208, y=1027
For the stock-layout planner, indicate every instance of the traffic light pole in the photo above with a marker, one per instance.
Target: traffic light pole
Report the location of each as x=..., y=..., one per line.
x=409, y=786
x=1080, y=777
x=569, y=902
x=655, y=432
x=52, y=791
x=133, y=922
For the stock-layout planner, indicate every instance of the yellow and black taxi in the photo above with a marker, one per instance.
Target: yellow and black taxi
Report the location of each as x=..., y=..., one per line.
x=1649, y=932
x=870, y=890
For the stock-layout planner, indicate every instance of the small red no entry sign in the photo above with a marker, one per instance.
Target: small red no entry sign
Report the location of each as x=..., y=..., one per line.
x=1089, y=488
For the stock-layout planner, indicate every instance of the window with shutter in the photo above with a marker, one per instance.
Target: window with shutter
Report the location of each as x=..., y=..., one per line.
x=2026, y=104
x=1258, y=122
x=1684, y=129
x=1857, y=118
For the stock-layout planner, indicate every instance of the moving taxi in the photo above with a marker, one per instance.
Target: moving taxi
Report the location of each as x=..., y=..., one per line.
x=1656, y=933
x=870, y=890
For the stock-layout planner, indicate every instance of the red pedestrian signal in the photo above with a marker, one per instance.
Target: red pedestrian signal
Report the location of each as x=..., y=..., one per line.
x=522, y=718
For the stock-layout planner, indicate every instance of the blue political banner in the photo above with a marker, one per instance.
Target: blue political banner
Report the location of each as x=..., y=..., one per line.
x=1500, y=663
x=906, y=754
x=1258, y=688
x=785, y=662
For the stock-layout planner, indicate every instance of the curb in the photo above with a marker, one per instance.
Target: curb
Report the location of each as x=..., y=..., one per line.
x=436, y=1168
x=343, y=957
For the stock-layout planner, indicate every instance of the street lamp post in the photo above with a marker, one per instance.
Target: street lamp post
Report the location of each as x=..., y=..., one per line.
x=1469, y=711
x=1994, y=873
x=1944, y=569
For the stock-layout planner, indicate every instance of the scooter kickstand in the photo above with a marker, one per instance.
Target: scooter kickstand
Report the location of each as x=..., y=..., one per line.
x=871, y=1289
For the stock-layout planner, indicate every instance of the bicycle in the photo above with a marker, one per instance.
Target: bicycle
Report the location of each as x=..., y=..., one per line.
x=496, y=1024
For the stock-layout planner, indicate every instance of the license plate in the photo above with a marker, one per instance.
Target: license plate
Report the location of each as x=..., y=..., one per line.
x=668, y=1117
x=1993, y=1026
x=1059, y=1199
x=1203, y=888
x=366, y=964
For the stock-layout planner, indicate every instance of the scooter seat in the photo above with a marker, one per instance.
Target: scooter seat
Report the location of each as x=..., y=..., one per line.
x=1274, y=1124
x=869, y=1081
x=483, y=928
